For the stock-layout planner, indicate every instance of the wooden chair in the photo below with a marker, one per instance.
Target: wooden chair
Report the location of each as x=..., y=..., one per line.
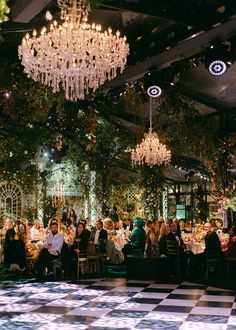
x=174, y=256
x=82, y=264
x=93, y=259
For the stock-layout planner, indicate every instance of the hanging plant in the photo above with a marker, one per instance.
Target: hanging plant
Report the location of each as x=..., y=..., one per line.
x=4, y=10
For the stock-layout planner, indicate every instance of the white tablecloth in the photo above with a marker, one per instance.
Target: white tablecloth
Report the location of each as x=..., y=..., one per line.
x=195, y=247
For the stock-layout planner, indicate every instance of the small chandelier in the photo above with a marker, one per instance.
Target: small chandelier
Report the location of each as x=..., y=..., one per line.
x=75, y=56
x=150, y=151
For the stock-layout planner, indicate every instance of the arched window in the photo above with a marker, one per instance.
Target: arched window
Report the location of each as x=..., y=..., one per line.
x=11, y=198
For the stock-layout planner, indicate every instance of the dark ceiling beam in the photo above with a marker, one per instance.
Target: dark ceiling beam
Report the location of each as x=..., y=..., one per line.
x=197, y=13
x=188, y=48
x=24, y=11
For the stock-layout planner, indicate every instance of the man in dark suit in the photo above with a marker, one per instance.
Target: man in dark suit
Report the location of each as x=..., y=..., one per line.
x=176, y=237
x=99, y=236
x=172, y=236
x=213, y=246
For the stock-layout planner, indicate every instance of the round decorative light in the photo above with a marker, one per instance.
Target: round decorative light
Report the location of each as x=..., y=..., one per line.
x=154, y=91
x=217, y=68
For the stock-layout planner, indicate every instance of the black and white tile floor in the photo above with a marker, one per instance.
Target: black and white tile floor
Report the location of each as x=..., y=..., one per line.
x=116, y=304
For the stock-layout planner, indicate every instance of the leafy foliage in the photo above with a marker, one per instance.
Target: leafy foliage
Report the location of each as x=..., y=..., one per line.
x=4, y=10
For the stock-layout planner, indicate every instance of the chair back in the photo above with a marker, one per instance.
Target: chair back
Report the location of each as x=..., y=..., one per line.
x=232, y=250
x=172, y=248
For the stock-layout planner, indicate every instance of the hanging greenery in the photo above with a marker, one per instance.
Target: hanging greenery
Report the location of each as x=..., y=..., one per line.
x=4, y=10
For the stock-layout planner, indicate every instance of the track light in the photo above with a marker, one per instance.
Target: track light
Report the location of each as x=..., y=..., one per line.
x=217, y=67
x=218, y=58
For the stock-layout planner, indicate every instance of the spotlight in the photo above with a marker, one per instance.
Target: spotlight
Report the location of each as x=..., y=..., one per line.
x=218, y=58
x=154, y=91
x=217, y=68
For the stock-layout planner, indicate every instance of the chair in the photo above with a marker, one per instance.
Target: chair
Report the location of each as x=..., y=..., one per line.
x=231, y=257
x=174, y=256
x=93, y=259
x=213, y=261
x=57, y=268
x=82, y=264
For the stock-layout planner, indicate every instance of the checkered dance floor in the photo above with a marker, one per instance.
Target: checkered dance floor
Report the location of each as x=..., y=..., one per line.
x=116, y=304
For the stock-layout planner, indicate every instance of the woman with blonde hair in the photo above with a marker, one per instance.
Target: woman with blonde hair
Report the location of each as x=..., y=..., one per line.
x=152, y=240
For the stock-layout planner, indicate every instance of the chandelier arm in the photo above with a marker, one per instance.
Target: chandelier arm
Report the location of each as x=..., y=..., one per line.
x=150, y=113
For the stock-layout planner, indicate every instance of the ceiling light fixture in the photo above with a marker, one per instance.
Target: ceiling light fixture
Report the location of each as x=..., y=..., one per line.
x=75, y=56
x=217, y=67
x=150, y=151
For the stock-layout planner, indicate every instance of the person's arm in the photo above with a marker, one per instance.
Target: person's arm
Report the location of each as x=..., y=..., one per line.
x=46, y=243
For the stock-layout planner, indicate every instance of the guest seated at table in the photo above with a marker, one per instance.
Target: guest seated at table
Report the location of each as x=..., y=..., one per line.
x=119, y=226
x=152, y=241
x=232, y=234
x=68, y=234
x=219, y=227
x=198, y=221
x=181, y=226
x=99, y=236
x=9, y=236
x=109, y=226
x=86, y=226
x=137, y=238
x=128, y=225
x=231, y=251
x=213, y=246
x=17, y=255
x=72, y=217
x=171, y=236
x=80, y=244
x=148, y=226
x=174, y=236
x=37, y=232
x=114, y=215
x=51, y=249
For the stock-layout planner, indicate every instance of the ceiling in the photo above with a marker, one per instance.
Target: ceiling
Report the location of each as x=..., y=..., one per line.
x=161, y=33
x=168, y=36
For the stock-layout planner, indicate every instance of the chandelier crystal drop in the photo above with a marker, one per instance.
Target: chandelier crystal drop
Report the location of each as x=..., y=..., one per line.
x=150, y=151
x=75, y=56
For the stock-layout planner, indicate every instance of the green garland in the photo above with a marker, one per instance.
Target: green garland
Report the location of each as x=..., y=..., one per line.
x=4, y=10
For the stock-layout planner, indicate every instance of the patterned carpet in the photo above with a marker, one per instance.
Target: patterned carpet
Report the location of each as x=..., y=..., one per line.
x=115, y=303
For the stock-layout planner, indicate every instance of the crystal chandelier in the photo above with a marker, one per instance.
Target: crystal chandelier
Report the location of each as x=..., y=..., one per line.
x=75, y=56
x=150, y=151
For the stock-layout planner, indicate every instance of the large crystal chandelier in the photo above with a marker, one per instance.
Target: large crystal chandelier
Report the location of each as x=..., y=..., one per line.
x=150, y=151
x=75, y=55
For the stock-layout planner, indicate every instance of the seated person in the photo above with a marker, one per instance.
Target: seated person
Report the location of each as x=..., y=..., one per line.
x=152, y=244
x=17, y=255
x=51, y=249
x=137, y=237
x=36, y=233
x=9, y=236
x=80, y=244
x=99, y=236
x=85, y=226
x=213, y=246
x=173, y=235
x=181, y=226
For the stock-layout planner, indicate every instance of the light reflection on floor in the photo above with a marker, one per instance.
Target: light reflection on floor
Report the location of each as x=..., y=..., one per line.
x=116, y=304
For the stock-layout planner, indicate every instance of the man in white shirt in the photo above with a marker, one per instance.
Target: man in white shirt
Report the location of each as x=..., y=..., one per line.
x=51, y=249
